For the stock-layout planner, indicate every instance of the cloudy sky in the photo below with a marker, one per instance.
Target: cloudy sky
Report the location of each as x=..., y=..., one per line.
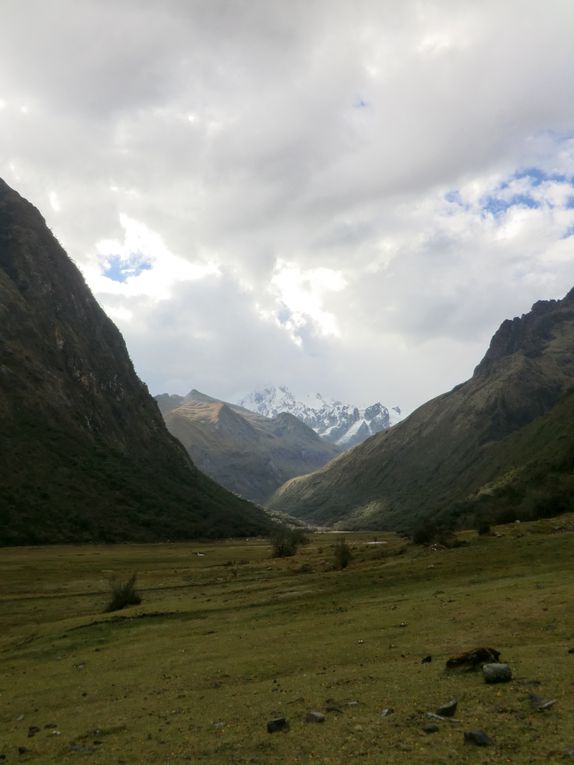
x=338, y=196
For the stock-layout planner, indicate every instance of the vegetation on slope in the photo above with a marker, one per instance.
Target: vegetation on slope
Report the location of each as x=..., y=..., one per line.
x=84, y=452
x=446, y=452
x=247, y=453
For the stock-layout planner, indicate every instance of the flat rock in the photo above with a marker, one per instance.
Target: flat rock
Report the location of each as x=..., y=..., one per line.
x=477, y=737
x=430, y=728
x=497, y=673
x=313, y=716
x=448, y=709
x=278, y=724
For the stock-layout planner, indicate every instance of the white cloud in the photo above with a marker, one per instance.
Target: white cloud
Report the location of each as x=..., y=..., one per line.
x=272, y=181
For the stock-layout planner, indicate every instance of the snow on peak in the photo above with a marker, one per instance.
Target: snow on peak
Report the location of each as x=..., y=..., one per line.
x=339, y=423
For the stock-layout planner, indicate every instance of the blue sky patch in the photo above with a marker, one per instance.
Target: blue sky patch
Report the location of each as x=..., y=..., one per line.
x=497, y=206
x=360, y=103
x=536, y=177
x=454, y=197
x=568, y=233
x=120, y=269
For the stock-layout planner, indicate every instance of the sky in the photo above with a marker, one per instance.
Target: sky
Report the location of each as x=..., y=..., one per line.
x=338, y=197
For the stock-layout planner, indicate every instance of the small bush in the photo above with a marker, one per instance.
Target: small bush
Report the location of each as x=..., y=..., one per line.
x=343, y=554
x=483, y=527
x=124, y=594
x=285, y=542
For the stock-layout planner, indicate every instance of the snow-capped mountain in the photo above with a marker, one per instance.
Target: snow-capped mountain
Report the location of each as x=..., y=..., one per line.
x=338, y=423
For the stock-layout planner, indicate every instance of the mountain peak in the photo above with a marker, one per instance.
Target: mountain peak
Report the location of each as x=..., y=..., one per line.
x=528, y=334
x=342, y=424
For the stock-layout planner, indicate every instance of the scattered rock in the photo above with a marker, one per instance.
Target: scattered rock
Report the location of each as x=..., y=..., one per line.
x=426, y=660
x=497, y=673
x=50, y=725
x=473, y=659
x=571, y=650
x=314, y=717
x=569, y=752
x=387, y=711
x=430, y=728
x=527, y=681
x=73, y=746
x=539, y=703
x=32, y=730
x=477, y=737
x=404, y=624
x=352, y=703
x=332, y=706
x=279, y=724
x=448, y=709
x=23, y=749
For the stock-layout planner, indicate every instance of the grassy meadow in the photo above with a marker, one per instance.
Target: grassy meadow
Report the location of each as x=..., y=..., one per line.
x=227, y=638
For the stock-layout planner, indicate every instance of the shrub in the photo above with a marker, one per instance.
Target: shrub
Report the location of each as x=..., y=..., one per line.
x=123, y=594
x=483, y=527
x=343, y=554
x=426, y=533
x=285, y=542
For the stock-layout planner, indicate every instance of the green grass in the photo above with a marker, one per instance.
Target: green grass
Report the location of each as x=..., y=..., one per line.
x=225, y=641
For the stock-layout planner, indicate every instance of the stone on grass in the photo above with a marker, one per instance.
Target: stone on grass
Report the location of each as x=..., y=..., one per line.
x=387, y=711
x=473, y=659
x=314, y=717
x=448, y=709
x=430, y=728
x=477, y=737
x=426, y=660
x=497, y=673
x=278, y=724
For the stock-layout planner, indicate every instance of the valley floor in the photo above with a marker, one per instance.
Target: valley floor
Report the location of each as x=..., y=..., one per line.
x=227, y=638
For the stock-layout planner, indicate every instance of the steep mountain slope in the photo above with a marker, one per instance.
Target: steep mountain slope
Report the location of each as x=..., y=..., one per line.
x=245, y=452
x=338, y=423
x=458, y=446
x=84, y=452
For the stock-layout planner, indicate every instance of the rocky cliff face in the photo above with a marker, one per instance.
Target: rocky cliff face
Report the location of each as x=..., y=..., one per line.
x=459, y=445
x=247, y=453
x=84, y=453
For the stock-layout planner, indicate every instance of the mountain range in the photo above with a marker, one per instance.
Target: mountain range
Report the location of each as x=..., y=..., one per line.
x=341, y=424
x=248, y=453
x=499, y=446
x=84, y=452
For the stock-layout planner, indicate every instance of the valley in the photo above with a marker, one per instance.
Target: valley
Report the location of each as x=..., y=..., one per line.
x=227, y=638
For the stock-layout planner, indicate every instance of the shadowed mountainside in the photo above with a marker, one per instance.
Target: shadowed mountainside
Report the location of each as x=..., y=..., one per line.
x=466, y=452
x=247, y=453
x=84, y=452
